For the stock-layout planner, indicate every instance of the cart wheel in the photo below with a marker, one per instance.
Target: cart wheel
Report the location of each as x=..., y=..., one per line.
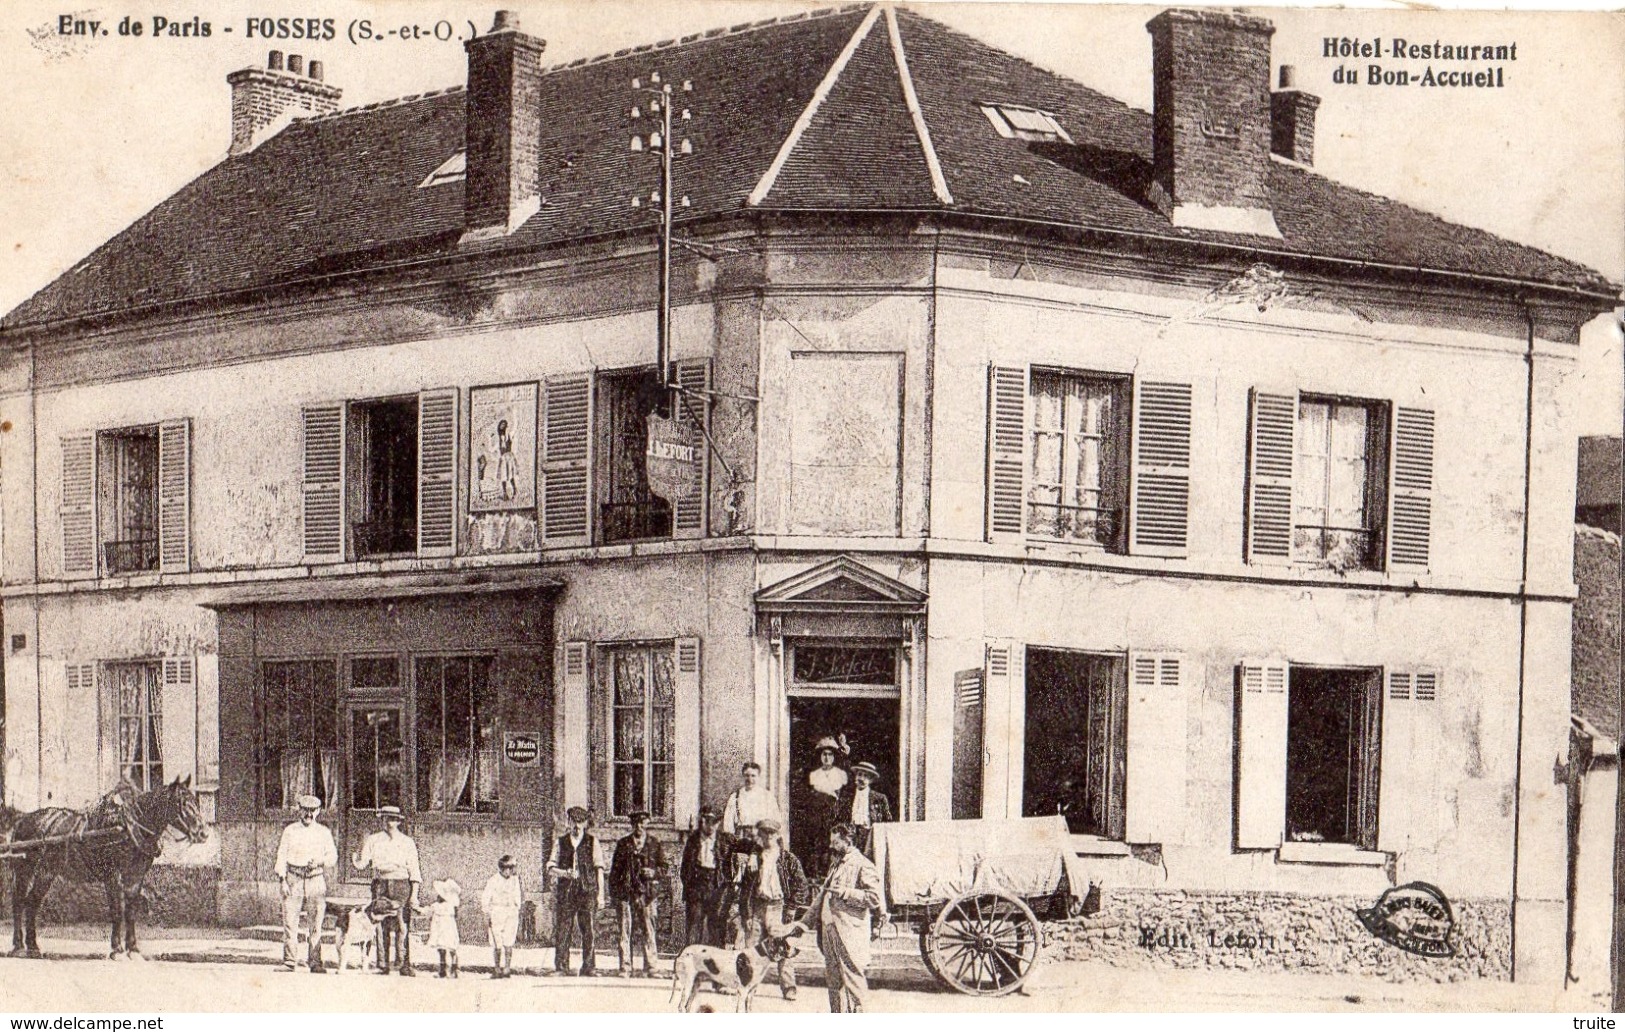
x=928, y=955
x=983, y=944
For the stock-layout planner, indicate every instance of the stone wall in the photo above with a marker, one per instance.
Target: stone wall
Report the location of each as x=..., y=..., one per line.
x=1276, y=932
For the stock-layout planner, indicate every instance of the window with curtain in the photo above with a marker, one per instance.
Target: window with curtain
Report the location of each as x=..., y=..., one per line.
x=1079, y=475
x=642, y=695
x=139, y=697
x=1337, y=482
x=298, y=733
x=457, y=738
x=1076, y=747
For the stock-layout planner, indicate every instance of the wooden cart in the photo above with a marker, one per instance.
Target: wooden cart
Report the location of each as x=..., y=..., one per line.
x=977, y=892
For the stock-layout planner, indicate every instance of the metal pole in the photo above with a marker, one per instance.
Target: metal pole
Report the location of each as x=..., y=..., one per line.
x=663, y=316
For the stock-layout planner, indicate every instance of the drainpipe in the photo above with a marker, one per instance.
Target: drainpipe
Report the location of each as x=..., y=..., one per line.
x=1523, y=611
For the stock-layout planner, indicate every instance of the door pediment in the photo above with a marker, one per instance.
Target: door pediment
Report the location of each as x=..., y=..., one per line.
x=840, y=585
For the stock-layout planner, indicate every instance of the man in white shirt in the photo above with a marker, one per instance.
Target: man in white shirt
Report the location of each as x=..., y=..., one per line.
x=303, y=856
x=751, y=804
x=393, y=857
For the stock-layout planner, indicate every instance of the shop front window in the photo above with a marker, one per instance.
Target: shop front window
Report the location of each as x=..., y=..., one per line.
x=298, y=733
x=456, y=734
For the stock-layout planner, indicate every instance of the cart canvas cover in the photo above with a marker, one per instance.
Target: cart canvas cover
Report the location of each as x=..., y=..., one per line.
x=935, y=861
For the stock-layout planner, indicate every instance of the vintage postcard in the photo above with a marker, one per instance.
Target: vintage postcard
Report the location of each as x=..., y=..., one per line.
x=760, y=506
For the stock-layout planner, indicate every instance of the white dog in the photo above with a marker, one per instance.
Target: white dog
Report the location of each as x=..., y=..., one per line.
x=356, y=929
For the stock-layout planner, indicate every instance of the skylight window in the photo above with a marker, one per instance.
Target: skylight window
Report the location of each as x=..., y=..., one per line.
x=1015, y=122
x=454, y=169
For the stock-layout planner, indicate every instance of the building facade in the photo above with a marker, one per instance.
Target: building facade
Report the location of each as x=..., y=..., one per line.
x=1059, y=456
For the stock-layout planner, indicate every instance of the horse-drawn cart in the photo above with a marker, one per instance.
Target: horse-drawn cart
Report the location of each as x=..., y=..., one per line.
x=976, y=893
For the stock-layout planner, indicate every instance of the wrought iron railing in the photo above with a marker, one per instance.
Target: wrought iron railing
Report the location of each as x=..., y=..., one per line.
x=634, y=521
x=135, y=555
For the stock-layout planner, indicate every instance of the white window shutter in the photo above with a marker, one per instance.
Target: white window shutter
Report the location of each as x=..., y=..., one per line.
x=324, y=483
x=686, y=776
x=78, y=506
x=1004, y=711
x=178, y=717
x=693, y=408
x=1261, y=760
x=567, y=461
x=80, y=678
x=575, y=698
x=1006, y=453
x=437, y=472
x=1159, y=506
x=1394, y=776
x=208, y=719
x=1410, y=489
x=1156, y=746
x=1272, y=451
x=175, y=496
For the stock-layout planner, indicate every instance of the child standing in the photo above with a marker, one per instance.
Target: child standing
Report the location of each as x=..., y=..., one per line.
x=501, y=899
x=443, y=934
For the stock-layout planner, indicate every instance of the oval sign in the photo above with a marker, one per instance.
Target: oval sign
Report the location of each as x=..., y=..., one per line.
x=522, y=750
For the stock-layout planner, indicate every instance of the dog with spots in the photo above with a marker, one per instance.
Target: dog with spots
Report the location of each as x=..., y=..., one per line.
x=736, y=971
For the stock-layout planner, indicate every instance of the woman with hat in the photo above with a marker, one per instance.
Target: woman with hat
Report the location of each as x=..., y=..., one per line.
x=393, y=857
x=821, y=799
x=502, y=899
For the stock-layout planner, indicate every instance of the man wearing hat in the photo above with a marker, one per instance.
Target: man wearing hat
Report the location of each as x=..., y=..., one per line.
x=776, y=888
x=705, y=877
x=578, y=867
x=863, y=806
x=303, y=856
x=393, y=857
x=635, y=874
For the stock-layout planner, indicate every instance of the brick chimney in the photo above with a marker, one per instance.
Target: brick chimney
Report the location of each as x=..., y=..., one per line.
x=1210, y=136
x=1292, y=119
x=504, y=128
x=265, y=100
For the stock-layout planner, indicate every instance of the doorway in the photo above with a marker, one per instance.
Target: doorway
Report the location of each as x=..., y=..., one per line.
x=377, y=772
x=870, y=726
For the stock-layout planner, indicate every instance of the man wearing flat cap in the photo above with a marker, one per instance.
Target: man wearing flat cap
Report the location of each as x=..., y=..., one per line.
x=705, y=876
x=393, y=858
x=775, y=890
x=635, y=875
x=863, y=806
x=577, y=867
x=303, y=856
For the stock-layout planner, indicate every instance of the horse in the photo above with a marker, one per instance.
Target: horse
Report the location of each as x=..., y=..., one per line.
x=133, y=827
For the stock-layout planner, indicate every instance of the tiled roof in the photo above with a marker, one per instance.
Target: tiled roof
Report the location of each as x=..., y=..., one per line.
x=340, y=192
x=1596, y=630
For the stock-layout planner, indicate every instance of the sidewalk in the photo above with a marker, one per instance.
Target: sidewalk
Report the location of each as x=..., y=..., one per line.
x=1055, y=986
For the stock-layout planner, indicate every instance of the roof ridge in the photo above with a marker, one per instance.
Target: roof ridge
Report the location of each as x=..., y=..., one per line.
x=717, y=33
x=911, y=100
x=377, y=105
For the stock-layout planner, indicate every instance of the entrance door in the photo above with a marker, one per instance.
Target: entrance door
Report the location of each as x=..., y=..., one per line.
x=843, y=691
x=377, y=771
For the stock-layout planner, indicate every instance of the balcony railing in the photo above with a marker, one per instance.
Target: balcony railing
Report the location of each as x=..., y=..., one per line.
x=384, y=537
x=136, y=555
x=634, y=521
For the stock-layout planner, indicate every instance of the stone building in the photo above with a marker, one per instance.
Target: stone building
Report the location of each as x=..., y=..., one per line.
x=1062, y=456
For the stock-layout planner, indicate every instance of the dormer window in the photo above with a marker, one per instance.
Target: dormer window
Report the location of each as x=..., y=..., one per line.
x=454, y=170
x=1014, y=122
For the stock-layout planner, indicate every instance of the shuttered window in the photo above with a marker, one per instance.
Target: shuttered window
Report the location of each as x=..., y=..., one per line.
x=689, y=512
x=1339, y=483
x=566, y=460
x=1408, y=813
x=1071, y=458
x=574, y=748
x=1004, y=712
x=686, y=778
x=1075, y=747
x=437, y=472
x=324, y=483
x=180, y=723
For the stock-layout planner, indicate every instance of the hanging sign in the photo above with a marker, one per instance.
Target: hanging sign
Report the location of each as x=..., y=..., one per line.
x=672, y=461
x=521, y=749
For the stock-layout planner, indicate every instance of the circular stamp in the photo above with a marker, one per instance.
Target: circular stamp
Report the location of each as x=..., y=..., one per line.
x=1415, y=917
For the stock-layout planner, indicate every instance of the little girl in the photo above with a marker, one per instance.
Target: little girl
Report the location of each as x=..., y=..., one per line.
x=443, y=934
x=501, y=899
